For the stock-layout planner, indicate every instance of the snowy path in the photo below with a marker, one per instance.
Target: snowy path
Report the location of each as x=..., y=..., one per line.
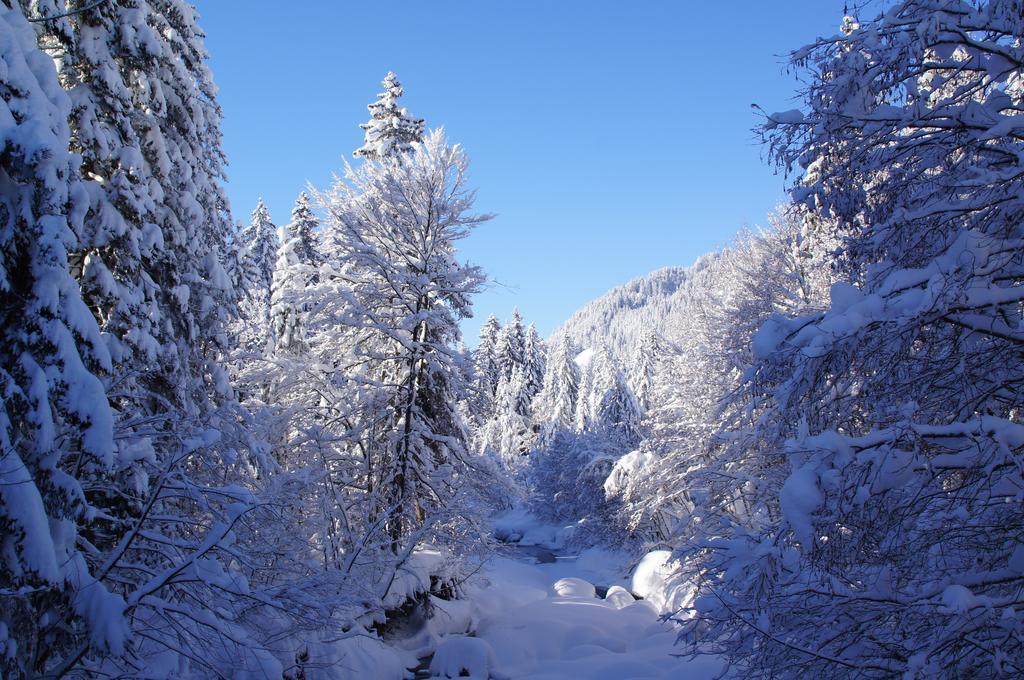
x=543, y=621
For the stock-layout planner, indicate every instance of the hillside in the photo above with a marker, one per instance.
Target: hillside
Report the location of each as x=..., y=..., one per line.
x=620, y=317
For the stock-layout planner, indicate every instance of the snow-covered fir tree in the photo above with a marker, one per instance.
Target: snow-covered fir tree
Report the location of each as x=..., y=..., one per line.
x=534, y=365
x=511, y=343
x=391, y=130
x=508, y=431
x=150, y=260
x=304, y=227
x=261, y=239
x=486, y=358
x=55, y=416
x=291, y=275
x=619, y=412
x=643, y=368
x=555, y=404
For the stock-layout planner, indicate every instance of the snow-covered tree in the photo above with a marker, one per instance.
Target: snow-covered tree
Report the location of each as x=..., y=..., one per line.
x=304, y=227
x=150, y=259
x=583, y=411
x=508, y=432
x=262, y=240
x=887, y=498
x=394, y=223
x=643, y=367
x=511, y=341
x=555, y=405
x=55, y=416
x=619, y=413
x=486, y=358
x=597, y=377
x=291, y=275
x=534, y=365
x=391, y=130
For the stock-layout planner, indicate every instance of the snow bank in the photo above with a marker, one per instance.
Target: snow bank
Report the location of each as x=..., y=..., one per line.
x=413, y=577
x=464, y=657
x=362, y=657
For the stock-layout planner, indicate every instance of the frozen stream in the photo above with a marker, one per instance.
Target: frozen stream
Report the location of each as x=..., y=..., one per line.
x=535, y=614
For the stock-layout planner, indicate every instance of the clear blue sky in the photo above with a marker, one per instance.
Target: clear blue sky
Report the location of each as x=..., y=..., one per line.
x=610, y=137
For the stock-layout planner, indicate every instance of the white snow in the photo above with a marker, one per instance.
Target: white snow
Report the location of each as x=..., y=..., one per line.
x=540, y=624
x=545, y=621
x=464, y=657
x=573, y=587
x=657, y=580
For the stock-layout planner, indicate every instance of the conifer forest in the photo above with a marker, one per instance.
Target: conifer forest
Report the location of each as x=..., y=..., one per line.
x=260, y=446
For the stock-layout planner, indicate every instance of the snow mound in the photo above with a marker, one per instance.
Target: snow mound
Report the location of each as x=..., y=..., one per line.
x=574, y=587
x=619, y=597
x=463, y=657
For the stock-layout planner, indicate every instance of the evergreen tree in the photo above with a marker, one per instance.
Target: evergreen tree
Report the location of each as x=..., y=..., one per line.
x=150, y=261
x=486, y=359
x=534, y=365
x=641, y=378
x=145, y=122
x=304, y=227
x=54, y=416
x=508, y=432
x=263, y=243
x=511, y=342
x=290, y=276
x=555, y=405
x=391, y=130
x=619, y=413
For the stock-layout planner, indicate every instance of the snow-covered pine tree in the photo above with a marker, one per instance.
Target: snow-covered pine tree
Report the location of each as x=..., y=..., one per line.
x=395, y=223
x=642, y=369
x=263, y=243
x=508, y=430
x=619, y=413
x=150, y=262
x=597, y=377
x=304, y=227
x=534, y=366
x=391, y=130
x=511, y=343
x=146, y=124
x=486, y=357
x=54, y=416
x=291, y=275
x=583, y=413
x=555, y=405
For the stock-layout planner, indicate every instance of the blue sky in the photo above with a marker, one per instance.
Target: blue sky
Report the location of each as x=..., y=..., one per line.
x=610, y=138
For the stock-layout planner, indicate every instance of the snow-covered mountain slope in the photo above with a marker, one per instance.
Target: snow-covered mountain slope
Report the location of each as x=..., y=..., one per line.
x=619, y=318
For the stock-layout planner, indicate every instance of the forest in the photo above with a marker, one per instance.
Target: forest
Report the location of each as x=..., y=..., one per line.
x=264, y=449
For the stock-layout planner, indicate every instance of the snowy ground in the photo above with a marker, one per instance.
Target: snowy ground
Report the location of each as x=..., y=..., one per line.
x=545, y=621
